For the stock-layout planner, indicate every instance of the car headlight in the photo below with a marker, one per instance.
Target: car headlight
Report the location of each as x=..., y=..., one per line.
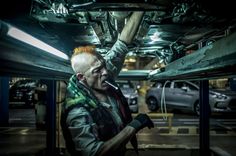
x=219, y=96
x=30, y=92
x=133, y=101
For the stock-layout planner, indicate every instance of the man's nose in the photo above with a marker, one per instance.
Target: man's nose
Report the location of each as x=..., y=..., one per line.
x=104, y=71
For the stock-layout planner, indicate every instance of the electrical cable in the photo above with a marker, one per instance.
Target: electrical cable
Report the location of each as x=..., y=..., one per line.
x=163, y=100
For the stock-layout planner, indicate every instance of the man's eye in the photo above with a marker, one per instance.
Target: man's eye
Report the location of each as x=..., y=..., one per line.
x=96, y=70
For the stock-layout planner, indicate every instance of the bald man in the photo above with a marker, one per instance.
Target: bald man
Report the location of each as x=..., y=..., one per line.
x=96, y=119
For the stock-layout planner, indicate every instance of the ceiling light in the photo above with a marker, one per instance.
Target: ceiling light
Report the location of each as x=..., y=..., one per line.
x=27, y=38
x=124, y=69
x=156, y=36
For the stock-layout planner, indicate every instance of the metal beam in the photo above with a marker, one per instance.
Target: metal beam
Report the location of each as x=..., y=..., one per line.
x=136, y=75
x=215, y=60
x=124, y=5
x=20, y=59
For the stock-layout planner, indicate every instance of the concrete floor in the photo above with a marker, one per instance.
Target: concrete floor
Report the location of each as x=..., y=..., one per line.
x=32, y=142
x=21, y=138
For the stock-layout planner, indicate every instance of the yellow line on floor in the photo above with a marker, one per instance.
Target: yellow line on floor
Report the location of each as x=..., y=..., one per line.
x=175, y=131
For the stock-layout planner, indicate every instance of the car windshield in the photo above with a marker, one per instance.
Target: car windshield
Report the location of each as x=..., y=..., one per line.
x=161, y=84
x=125, y=85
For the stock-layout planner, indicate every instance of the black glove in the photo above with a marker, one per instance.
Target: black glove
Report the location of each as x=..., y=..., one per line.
x=141, y=121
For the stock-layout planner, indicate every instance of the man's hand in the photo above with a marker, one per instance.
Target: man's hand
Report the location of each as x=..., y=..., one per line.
x=141, y=121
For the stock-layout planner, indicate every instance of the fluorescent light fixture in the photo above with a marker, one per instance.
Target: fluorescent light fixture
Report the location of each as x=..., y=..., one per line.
x=27, y=38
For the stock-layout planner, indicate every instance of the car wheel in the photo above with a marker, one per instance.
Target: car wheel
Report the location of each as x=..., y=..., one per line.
x=197, y=108
x=152, y=104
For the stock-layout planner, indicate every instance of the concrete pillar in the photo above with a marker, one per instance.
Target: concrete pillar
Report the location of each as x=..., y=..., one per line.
x=4, y=101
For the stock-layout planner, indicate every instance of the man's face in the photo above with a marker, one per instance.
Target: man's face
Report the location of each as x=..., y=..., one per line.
x=97, y=74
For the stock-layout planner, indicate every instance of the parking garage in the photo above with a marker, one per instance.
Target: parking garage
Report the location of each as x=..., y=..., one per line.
x=197, y=45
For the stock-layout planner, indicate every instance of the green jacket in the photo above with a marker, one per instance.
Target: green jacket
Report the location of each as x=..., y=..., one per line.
x=79, y=96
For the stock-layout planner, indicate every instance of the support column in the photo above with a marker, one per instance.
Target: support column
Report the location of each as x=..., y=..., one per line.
x=51, y=117
x=204, y=118
x=232, y=83
x=4, y=101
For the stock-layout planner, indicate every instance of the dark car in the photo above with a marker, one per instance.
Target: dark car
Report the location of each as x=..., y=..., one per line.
x=21, y=93
x=184, y=95
x=131, y=94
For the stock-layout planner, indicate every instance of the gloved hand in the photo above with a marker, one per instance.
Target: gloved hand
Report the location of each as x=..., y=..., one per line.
x=141, y=121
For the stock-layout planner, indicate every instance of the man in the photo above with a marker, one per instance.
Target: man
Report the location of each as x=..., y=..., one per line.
x=96, y=119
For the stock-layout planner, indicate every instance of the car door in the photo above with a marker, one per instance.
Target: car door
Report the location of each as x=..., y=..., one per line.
x=183, y=95
x=167, y=93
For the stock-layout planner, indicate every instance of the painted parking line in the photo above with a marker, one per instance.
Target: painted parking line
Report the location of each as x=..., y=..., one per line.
x=165, y=131
x=21, y=131
x=186, y=131
x=163, y=146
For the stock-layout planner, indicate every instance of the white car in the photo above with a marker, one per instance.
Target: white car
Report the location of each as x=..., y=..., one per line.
x=184, y=95
x=131, y=94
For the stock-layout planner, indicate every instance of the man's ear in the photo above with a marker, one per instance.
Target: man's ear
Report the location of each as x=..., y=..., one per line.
x=80, y=76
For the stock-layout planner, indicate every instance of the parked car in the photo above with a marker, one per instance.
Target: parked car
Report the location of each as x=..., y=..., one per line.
x=21, y=93
x=131, y=94
x=184, y=95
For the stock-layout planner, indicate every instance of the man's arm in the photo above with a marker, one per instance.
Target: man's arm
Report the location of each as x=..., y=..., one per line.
x=116, y=56
x=129, y=31
x=85, y=136
x=121, y=139
x=139, y=122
